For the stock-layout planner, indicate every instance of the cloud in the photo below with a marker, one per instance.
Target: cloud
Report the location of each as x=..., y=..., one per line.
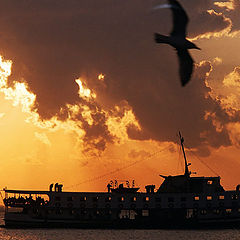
x=233, y=79
x=54, y=45
x=228, y=5
x=231, y=10
x=139, y=154
x=43, y=138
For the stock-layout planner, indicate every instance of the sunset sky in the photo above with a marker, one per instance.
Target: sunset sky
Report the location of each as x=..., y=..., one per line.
x=86, y=96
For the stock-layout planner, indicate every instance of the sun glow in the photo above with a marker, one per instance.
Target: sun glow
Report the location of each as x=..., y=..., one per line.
x=84, y=92
x=101, y=77
x=118, y=125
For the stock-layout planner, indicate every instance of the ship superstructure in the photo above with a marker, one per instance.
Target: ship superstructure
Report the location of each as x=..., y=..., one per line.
x=180, y=201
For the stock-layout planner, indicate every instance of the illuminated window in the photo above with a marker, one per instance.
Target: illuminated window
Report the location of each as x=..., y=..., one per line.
x=196, y=198
x=146, y=199
x=83, y=199
x=228, y=210
x=134, y=199
x=108, y=199
x=221, y=197
x=209, y=198
x=209, y=182
x=121, y=199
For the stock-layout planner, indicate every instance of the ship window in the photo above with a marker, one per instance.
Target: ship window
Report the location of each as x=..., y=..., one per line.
x=228, y=210
x=95, y=199
x=58, y=211
x=121, y=199
x=183, y=199
x=57, y=199
x=134, y=199
x=189, y=213
x=203, y=211
x=108, y=199
x=216, y=211
x=158, y=199
x=234, y=197
x=146, y=199
x=170, y=199
x=124, y=214
x=97, y=212
x=145, y=213
x=221, y=197
x=83, y=199
x=70, y=199
x=209, y=198
x=71, y=212
x=209, y=182
x=196, y=198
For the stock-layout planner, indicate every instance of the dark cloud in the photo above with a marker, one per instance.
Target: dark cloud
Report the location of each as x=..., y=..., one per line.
x=54, y=42
x=175, y=108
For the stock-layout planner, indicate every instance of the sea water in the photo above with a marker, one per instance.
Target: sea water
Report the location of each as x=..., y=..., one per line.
x=98, y=234
x=74, y=234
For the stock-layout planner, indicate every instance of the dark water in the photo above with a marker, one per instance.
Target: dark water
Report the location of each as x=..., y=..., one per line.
x=72, y=234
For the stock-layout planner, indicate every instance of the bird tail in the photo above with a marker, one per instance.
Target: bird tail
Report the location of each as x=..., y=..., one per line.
x=161, y=38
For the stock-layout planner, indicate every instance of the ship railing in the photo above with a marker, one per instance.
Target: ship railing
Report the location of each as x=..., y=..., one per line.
x=24, y=202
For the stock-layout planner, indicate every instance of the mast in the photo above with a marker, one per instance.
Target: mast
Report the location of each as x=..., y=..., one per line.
x=187, y=172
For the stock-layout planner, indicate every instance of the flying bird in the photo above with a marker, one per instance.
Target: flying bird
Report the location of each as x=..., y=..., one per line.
x=178, y=40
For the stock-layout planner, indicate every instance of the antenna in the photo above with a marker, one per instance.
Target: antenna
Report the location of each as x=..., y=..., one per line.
x=187, y=172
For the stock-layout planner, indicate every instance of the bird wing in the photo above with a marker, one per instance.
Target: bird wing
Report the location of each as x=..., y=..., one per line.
x=185, y=66
x=180, y=19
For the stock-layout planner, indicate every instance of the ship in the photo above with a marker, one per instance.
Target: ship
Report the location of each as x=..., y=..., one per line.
x=181, y=201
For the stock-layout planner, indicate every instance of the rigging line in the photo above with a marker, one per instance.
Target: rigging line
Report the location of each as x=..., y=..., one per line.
x=204, y=163
x=180, y=163
x=118, y=169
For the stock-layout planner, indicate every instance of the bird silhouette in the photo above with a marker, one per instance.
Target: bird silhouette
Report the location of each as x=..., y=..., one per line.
x=177, y=39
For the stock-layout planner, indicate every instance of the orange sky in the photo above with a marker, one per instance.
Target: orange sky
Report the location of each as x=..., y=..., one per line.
x=37, y=151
